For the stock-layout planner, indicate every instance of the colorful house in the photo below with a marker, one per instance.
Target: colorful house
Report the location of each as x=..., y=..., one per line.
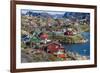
x=70, y=31
x=25, y=38
x=34, y=41
x=54, y=47
x=43, y=36
x=61, y=53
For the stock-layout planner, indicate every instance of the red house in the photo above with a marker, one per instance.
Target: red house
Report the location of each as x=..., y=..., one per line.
x=54, y=47
x=68, y=33
x=43, y=36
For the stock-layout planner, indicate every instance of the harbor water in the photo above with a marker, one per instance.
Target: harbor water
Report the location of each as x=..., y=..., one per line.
x=80, y=48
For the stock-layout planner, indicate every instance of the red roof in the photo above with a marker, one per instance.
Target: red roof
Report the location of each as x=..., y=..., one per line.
x=68, y=33
x=44, y=36
x=53, y=47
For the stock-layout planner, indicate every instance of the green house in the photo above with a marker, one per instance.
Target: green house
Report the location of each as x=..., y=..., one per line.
x=34, y=41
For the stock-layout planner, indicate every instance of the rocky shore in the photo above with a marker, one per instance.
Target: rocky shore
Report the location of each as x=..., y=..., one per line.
x=32, y=55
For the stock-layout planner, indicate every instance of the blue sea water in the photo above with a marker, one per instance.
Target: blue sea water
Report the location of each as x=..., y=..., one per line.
x=81, y=48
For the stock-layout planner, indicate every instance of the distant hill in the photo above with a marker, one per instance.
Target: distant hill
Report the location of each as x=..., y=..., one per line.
x=69, y=15
x=44, y=14
x=77, y=15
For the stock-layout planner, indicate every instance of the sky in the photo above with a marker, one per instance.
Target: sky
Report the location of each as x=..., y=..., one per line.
x=24, y=11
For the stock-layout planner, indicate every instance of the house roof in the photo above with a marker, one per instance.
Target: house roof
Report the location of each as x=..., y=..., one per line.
x=35, y=39
x=54, y=47
x=44, y=36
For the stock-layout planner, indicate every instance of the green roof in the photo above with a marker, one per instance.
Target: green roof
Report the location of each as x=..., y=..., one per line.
x=35, y=39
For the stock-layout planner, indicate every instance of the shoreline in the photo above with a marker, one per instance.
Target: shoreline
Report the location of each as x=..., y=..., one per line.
x=76, y=42
x=42, y=56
